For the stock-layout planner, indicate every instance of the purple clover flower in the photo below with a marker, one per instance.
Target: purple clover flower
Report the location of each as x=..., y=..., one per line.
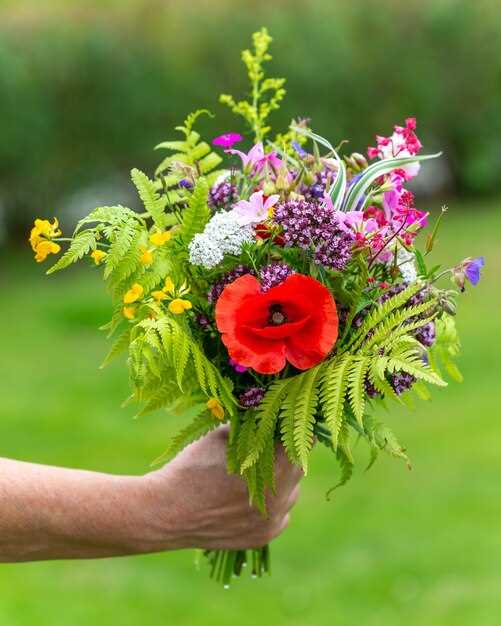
x=401, y=382
x=217, y=288
x=426, y=335
x=253, y=396
x=274, y=274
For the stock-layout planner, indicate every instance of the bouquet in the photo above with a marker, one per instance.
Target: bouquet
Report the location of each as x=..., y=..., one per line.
x=280, y=289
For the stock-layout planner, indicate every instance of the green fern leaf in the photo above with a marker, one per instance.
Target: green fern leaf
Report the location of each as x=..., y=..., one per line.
x=153, y=202
x=196, y=216
x=356, y=387
x=112, y=215
x=81, y=245
x=120, y=245
x=304, y=415
x=120, y=345
x=332, y=394
x=200, y=426
x=267, y=416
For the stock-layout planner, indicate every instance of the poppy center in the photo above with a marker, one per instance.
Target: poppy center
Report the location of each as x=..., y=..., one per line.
x=277, y=316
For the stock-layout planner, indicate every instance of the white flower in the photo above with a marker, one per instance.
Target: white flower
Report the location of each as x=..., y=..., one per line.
x=222, y=235
x=406, y=265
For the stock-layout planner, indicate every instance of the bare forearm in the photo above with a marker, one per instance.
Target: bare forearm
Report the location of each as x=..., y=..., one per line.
x=52, y=513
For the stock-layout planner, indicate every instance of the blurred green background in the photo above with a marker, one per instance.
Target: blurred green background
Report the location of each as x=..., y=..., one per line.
x=86, y=90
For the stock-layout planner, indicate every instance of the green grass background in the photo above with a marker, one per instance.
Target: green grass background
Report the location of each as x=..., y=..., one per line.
x=393, y=547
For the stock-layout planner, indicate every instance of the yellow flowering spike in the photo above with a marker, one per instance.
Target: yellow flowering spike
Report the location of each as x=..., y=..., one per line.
x=134, y=293
x=98, y=256
x=158, y=239
x=216, y=408
x=129, y=312
x=169, y=285
x=146, y=257
x=159, y=295
x=178, y=306
x=44, y=248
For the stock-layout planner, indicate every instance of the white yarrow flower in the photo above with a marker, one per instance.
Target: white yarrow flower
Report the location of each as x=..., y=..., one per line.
x=222, y=235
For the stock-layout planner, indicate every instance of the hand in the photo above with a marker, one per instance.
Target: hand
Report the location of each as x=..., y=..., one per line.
x=194, y=503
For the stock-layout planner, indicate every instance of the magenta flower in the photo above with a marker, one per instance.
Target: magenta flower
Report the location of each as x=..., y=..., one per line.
x=227, y=140
x=254, y=210
x=402, y=143
x=239, y=369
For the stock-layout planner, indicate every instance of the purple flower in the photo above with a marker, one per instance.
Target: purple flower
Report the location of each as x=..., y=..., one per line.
x=254, y=210
x=472, y=269
x=274, y=274
x=222, y=195
x=251, y=397
x=426, y=335
x=239, y=369
x=468, y=269
x=300, y=151
x=401, y=382
x=186, y=183
x=227, y=140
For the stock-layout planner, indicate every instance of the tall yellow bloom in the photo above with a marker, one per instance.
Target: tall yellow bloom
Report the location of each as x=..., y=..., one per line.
x=134, y=294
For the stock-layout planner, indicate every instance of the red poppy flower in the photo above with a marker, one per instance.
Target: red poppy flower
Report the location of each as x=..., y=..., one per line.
x=296, y=322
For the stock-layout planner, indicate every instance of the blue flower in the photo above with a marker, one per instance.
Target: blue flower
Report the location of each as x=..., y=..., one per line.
x=472, y=269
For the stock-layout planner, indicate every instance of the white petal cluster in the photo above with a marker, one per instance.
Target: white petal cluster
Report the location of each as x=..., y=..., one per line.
x=406, y=265
x=222, y=235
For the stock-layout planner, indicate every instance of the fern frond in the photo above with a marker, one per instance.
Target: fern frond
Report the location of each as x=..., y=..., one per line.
x=120, y=345
x=412, y=364
x=381, y=312
x=304, y=414
x=153, y=202
x=267, y=416
x=81, y=245
x=356, y=387
x=121, y=242
x=113, y=215
x=287, y=420
x=345, y=459
x=180, y=352
x=332, y=393
x=196, y=216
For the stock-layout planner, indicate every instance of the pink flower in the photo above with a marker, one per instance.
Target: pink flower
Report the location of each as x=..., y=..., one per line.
x=254, y=210
x=402, y=143
x=227, y=140
x=256, y=159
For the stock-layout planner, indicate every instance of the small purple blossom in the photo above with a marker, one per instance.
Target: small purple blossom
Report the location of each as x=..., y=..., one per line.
x=239, y=369
x=472, y=269
x=202, y=320
x=335, y=252
x=253, y=396
x=370, y=390
x=227, y=140
x=426, y=335
x=298, y=148
x=185, y=183
x=274, y=274
x=401, y=382
x=222, y=195
x=217, y=288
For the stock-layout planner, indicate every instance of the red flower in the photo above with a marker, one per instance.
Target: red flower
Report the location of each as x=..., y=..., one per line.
x=296, y=321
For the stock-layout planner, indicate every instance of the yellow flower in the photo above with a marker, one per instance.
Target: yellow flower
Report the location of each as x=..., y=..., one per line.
x=158, y=239
x=159, y=295
x=44, y=248
x=178, y=306
x=134, y=293
x=98, y=256
x=169, y=285
x=42, y=231
x=146, y=257
x=216, y=408
x=129, y=312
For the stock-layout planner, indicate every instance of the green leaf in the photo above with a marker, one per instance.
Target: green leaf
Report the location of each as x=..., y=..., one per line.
x=120, y=345
x=356, y=387
x=196, y=216
x=304, y=415
x=200, y=426
x=81, y=245
x=374, y=171
x=153, y=202
x=332, y=394
x=120, y=245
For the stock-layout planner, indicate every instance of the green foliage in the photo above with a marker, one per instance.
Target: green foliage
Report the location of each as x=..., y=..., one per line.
x=266, y=93
x=82, y=244
x=447, y=346
x=191, y=158
x=197, y=214
x=153, y=202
